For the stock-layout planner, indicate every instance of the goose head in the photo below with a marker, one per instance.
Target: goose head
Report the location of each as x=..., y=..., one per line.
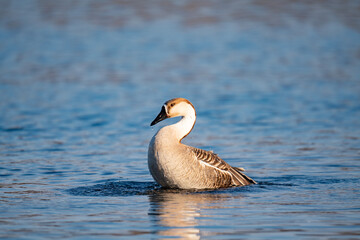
x=175, y=108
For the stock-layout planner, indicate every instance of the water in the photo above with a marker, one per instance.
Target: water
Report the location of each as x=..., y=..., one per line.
x=277, y=91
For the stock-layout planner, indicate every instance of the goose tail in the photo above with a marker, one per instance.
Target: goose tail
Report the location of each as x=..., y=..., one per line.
x=239, y=178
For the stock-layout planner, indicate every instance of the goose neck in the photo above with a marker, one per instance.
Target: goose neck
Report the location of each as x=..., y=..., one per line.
x=182, y=128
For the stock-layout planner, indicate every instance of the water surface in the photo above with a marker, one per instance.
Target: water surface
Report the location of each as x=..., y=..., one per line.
x=276, y=88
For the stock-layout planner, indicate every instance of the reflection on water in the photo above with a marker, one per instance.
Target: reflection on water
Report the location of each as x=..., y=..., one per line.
x=178, y=213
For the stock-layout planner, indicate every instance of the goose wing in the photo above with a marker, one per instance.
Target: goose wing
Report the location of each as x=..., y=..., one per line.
x=213, y=160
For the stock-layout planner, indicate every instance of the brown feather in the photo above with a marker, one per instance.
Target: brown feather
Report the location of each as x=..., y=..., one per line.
x=212, y=159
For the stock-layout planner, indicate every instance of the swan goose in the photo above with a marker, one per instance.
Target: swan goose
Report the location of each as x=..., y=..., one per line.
x=176, y=165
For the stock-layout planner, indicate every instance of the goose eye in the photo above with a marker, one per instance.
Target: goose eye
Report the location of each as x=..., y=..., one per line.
x=171, y=105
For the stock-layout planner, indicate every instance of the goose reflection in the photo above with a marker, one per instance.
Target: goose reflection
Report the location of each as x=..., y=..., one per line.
x=177, y=213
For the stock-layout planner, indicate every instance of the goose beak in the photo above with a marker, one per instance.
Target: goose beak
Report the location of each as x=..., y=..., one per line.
x=161, y=116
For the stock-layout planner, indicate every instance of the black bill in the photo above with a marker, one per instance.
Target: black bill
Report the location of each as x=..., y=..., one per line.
x=161, y=116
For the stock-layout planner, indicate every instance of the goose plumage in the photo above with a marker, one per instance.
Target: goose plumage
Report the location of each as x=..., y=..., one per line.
x=176, y=165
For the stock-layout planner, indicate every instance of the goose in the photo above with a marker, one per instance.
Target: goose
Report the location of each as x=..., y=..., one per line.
x=173, y=164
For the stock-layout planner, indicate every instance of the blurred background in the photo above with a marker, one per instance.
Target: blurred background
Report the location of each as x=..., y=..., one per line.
x=276, y=86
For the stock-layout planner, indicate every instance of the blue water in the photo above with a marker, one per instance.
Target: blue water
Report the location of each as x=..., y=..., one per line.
x=276, y=87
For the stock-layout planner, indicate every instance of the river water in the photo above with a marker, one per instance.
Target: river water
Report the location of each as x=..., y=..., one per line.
x=276, y=87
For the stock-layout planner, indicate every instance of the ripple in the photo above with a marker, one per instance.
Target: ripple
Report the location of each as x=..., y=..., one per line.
x=122, y=188
x=13, y=129
x=130, y=188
